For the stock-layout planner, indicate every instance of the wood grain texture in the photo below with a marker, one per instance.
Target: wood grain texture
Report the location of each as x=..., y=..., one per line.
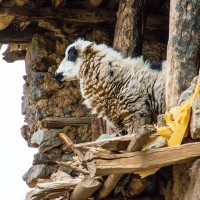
x=85, y=189
x=101, y=164
x=58, y=122
x=69, y=15
x=113, y=144
x=129, y=27
x=183, y=48
x=135, y=144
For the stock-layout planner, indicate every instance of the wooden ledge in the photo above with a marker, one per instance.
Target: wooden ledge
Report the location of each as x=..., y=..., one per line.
x=102, y=164
x=61, y=122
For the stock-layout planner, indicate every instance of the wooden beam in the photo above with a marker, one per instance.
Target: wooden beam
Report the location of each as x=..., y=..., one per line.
x=113, y=144
x=183, y=48
x=129, y=27
x=47, y=188
x=85, y=188
x=70, y=144
x=102, y=164
x=97, y=127
x=13, y=35
x=13, y=56
x=58, y=122
x=74, y=168
x=69, y=15
x=108, y=185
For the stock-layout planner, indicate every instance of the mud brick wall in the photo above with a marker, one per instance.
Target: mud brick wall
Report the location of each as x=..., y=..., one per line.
x=44, y=97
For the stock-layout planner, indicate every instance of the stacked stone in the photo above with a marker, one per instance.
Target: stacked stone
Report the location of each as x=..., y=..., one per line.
x=44, y=97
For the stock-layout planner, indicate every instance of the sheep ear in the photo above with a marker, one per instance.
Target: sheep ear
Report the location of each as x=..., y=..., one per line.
x=89, y=48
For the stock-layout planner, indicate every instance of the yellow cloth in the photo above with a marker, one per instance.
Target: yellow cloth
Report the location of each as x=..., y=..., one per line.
x=177, y=120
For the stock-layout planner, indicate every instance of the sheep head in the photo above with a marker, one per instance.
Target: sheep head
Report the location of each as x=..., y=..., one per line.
x=74, y=56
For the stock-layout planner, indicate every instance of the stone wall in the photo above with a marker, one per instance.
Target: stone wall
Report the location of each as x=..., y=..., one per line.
x=44, y=97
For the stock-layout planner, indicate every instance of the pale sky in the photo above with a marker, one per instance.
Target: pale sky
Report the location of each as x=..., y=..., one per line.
x=16, y=157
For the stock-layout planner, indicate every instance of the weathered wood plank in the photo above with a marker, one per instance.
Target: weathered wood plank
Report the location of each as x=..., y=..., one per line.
x=85, y=188
x=104, y=164
x=113, y=144
x=70, y=15
x=13, y=56
x=129, y=27
x=13, y=35
x=135, y=144
x=58, y=122
x=183, y=48
x=51, y=187
x=75, y=168
x=97, y=127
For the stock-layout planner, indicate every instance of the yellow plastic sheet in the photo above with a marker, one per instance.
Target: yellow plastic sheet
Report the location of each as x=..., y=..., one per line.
x=177, y=120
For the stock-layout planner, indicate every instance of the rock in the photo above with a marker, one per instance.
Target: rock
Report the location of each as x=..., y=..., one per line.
x=66, y=170
x=193, y=191
x=195, y=119
x=25, y=132
x=50, y=144
x=36, y=172
x=37, y=138
x=66, y=158
x=39, y=93
x=60, y=176
x=181, y=181
x=41, y=114
x=44, y=158
x=186, y=94
x=38, y=78
x=46, y=139
x=189, y=91
x=38, y=56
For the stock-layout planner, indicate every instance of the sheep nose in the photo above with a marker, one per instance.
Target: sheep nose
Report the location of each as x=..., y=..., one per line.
x=59, y=77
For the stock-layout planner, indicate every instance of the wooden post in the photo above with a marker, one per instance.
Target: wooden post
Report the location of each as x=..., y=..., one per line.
x=128, y=38
x=67, y=14
x=183, y=60
x=183, y=48
x=85, y=189
x=97, y=127
x=61, y=122
x=129, y=27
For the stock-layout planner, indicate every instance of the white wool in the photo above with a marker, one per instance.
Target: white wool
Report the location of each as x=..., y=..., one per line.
x=125, y=91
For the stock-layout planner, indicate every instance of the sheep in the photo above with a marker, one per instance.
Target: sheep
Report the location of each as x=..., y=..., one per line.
x=127, y=92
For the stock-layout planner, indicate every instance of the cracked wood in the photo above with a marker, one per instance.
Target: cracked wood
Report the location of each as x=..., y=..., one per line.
x=102, y=164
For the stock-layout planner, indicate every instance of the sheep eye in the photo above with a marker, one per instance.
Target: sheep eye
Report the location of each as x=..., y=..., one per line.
x=72, y=54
